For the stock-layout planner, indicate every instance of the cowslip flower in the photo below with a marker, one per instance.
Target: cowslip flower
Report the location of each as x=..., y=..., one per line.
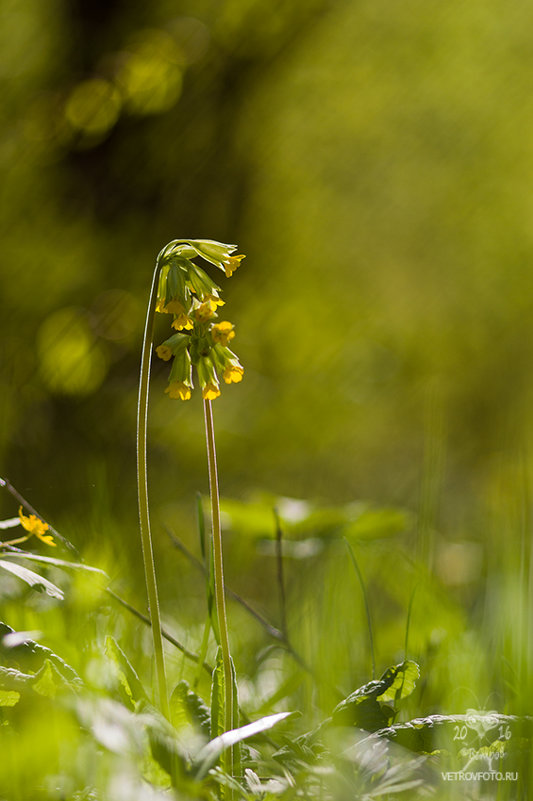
x=223, y=332
x=218, y=253
x=205, y=311
x=208, y=378
x=233, y=373
x=231, y=264
x=164, y=352
x=179, y=389
x=35, y=527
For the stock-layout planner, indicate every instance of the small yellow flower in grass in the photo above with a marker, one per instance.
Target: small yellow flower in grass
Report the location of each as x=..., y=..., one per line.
x=231, y=263
x=164, y=352
x=178, y=389
x=223, y=333
x=233, y=373
x=35, y=526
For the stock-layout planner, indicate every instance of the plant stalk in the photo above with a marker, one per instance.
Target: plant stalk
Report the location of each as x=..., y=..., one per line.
x=142, y=489
x=220, y=601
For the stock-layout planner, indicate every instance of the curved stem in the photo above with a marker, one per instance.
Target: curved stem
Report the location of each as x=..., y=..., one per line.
x=218, y=566
x=142, y=489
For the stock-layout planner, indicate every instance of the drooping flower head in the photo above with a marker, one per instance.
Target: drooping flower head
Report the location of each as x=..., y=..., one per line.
x=192, y=297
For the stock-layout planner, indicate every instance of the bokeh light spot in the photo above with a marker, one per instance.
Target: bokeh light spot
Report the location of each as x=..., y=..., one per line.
x=150, y=73
x=70, y=360
x=93, y=106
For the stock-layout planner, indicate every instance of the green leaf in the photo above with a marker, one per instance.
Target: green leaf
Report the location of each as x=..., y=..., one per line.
x=51, y=560
x=473, y=730
x=237, y=750
x=187, y=707
x=129, y=680
x=209, y=754
x=367, y=707
x=165, y=746
x=47, y=681
x=9, y=697
x=32, y=655
x=33, y=579
x=10, y=523
x=404, y=678
x=217, y=696
x=112, y=725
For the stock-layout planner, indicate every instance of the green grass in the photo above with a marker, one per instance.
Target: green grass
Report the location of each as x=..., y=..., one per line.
x=81, y=721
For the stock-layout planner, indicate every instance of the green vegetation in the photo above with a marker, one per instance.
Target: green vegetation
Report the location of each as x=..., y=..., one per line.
x=372, y=160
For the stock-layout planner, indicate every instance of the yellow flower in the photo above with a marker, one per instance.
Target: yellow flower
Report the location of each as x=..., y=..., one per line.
x=231, y=263
x=210, y=391
x=215, y=299
x=172, y=307
x=205, y=311
x=233, y=373
x=182, y=321
x=35, y=526
x=223, y=333
x=164, y=352
x=178, y=389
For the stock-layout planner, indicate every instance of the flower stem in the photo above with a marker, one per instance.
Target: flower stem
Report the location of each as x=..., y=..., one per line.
x=220, y=602
x=142, y=489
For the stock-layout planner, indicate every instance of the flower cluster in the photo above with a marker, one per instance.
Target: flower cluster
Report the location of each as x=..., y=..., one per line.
x=187, y=293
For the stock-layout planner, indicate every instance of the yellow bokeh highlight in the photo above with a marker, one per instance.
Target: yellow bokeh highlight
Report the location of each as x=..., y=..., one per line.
x=93, y=106
x=71, y=362
x=150, y=72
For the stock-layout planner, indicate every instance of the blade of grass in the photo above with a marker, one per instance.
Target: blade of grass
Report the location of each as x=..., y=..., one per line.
x=367, y=607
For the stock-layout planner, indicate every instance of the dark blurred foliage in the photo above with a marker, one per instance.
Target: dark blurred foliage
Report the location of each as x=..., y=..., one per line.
x=373, y=161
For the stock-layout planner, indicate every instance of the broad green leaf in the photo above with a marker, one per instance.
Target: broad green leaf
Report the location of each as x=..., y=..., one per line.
x=479, y=731
x=187, y=707
x=209, y=754
x=13, y=679
x=165, y=745
x=367, y=707
x=404, y=678
x=33, y=579
x=9, y=697
x=32, y=655
x=129, y=680
x=47, y=681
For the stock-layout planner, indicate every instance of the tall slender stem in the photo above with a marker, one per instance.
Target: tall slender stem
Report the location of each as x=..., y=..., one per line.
x=218, y=566
x=142, y=488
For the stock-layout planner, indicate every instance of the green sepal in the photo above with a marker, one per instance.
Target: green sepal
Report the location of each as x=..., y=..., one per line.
x=176, y=342
x=181, y=367
x=176, y=288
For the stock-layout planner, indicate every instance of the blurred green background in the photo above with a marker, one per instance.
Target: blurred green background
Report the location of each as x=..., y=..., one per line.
x=374, y=161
